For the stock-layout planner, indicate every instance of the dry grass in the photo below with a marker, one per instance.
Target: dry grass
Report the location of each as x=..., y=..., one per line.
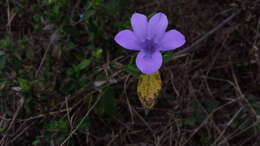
x=210, y=87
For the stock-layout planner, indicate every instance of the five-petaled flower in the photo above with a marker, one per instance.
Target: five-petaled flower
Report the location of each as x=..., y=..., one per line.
x=149, y=38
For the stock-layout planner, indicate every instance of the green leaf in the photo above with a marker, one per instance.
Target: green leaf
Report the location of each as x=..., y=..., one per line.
x=6, y=42
x=167, y=56
x=59, y=125
x=84, y=64
x=189, y=122
x=36, y=141
x=70, y=44
x=37, y=19
x=97, y=53
x=75, y=70
x=25, y=85
x=70, y=72
x=107, y=105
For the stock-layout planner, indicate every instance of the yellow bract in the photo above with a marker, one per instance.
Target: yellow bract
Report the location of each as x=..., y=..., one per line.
x=148, y=89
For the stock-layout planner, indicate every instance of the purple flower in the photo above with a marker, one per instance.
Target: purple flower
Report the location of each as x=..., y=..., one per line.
x=149, y=38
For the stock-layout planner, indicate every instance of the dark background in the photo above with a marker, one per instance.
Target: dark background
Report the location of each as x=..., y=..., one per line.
x=63, y=79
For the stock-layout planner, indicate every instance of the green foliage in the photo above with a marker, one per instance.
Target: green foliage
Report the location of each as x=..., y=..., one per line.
x=97, y=53
x=57, y=126
x=75, y=42
x=131, y=68
x=36, y=141
x=84, y=64
x=167, y=56
x=76, y=69
x=22, y=43
x=55, y=9
x=78, y=51
x=56, y=131
x=5, y=43
x=24, y=85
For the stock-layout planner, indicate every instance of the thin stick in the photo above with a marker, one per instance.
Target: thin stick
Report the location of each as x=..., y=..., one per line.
x=227, y=125
x=20, y=105
x=82, y=120
x=53, y=38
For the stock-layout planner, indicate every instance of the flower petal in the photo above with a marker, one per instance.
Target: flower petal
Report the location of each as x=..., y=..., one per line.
x=128, y=40
x=171, y=40
x=139, y=23
x=157, y=25
x=149, y=63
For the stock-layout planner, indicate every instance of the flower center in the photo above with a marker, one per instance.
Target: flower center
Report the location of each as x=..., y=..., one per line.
x=149, y=46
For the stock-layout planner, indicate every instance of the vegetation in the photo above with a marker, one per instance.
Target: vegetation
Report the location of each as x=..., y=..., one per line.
x=64, y=80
